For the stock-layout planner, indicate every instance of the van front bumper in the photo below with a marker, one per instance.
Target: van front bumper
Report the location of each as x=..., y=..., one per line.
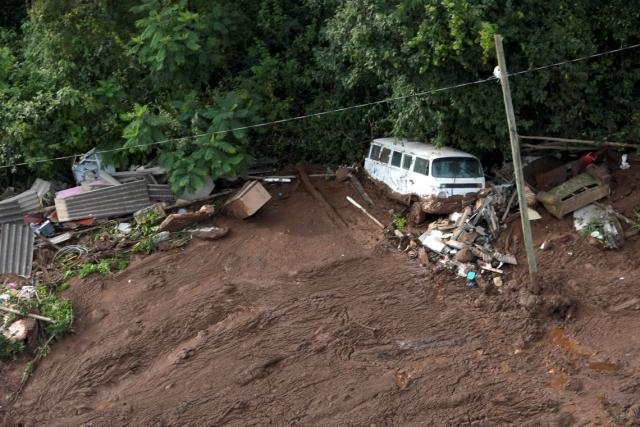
x=441, y=206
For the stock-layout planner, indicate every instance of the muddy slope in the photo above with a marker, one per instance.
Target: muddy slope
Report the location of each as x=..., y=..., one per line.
x=294, y=320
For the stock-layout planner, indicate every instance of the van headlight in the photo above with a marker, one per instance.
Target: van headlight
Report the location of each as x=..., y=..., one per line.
x=442, y=195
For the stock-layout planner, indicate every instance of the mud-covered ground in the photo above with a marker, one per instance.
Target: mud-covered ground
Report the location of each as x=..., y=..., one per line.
x=295, y=320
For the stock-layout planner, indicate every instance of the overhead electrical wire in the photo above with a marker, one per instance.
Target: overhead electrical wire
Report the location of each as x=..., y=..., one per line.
x=327, y=112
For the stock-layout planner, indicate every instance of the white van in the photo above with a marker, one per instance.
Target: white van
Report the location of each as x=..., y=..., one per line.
x=422, y=170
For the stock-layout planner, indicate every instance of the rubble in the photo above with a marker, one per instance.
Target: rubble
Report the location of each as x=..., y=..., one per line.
x=18, y=330
x=156, y=210
x=599, y=223
x=180, y=221
x=462, y=240
x=88, y=167
x=209, y=233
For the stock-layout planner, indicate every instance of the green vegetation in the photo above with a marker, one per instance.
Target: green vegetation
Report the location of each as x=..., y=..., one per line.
x=399, y=222
x=47, y=304
x=145, y=245
x=129, y=74
x=103, y=266
x=10, y=349
x=145, y=230
x=593, y=226
x=603, y=232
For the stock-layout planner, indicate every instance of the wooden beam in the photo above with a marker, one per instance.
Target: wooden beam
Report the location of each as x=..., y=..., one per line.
x=581, y=141
x=331, y=212
x=517, y=165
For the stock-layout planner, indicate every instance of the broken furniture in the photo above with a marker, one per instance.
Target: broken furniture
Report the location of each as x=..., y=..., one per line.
x=577, y=192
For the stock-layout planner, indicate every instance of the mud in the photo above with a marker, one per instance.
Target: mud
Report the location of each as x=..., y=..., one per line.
x=289, y=320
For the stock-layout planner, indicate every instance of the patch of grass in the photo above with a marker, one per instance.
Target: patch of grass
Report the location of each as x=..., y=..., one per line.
x=103, y=266
x=399, y=222
x=61, y=287
x=145, y=245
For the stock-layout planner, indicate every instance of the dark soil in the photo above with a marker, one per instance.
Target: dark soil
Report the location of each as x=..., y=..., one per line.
x=294, y=320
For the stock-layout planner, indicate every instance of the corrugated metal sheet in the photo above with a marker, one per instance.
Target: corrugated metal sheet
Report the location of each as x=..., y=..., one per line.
x=41, y=187
x=104, y=203
x=161, y=193
x=14, y=208
x=16, y=249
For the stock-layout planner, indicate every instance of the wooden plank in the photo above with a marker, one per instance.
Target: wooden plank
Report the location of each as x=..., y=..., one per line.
x=581, y=141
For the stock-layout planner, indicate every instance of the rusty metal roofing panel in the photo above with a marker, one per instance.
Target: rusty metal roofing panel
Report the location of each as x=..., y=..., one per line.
x=161, y=193
x=16, y=249
x=105, y=202
x=14, y=208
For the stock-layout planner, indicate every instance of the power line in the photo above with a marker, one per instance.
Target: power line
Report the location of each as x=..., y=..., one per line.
x=258, y=125
x=327, y=112
x=582, y=58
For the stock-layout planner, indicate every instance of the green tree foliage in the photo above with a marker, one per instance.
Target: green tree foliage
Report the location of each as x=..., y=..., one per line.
x=412, y=46
x=132, y=74
x=13, y=13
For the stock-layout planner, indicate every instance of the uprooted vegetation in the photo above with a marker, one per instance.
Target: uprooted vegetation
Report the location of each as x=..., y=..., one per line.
x=39, y=300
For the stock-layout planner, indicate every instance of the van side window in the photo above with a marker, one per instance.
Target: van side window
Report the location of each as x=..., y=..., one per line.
x=384, y=155
x=406, y=162
x=375, y=152
x=396, y=159
x=421, y=166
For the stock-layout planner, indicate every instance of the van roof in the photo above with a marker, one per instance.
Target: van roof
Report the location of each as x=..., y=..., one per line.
x=420, y=148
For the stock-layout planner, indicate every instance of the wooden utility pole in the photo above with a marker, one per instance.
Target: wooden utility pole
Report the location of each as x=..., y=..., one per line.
x=517, y=164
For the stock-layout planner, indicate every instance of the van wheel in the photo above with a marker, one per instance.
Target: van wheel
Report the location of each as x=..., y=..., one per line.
x=416, y=214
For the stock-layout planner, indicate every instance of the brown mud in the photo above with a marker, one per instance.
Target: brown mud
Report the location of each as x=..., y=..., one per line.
x=290, y=320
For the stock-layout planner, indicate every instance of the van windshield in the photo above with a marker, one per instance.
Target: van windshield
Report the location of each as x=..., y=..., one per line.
x=456, y=167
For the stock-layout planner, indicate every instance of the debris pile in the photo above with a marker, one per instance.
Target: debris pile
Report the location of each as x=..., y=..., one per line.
x=463, y=241
x=49, y=234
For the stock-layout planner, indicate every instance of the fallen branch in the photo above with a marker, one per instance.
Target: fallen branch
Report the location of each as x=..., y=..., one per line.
x=357, y=205
x=30, y=368
x=319, y=197
x=33, y=316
